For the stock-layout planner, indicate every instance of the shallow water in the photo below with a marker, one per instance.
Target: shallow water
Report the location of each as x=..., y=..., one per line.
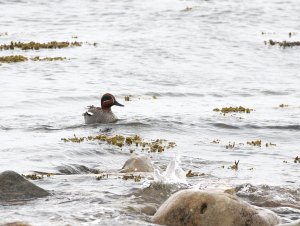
x=193, y=61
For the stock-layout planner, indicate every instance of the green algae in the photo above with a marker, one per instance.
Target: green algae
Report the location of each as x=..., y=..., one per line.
x=283, y=44
x=158, y=145
x=240, y=109
x=13, y=59
x=132, y=177
x=37, y=45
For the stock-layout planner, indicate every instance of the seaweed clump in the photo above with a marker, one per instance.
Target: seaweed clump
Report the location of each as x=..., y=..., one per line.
x=13, y=59
x=254, y=143
x=132, y=177
x=33, y=176
x=37, y=58
x=283, y=105
x=282, y=44
x=193, y=174
x=158, y=145
x=38, y=45
x=297, y=159
x=101, y=176
x=235, y=166
x=239, y=109
x=259, y=143
x=128, y=98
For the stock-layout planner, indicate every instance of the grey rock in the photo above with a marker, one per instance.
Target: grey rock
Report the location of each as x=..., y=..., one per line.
x=13, y=187
x=138, y=164
x=198, y=208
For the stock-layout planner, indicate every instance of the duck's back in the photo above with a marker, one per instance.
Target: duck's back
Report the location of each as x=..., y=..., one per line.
x=97, y=115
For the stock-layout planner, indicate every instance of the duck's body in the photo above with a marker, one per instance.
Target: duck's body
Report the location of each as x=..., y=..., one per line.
x=103, y=114
x=97, y=115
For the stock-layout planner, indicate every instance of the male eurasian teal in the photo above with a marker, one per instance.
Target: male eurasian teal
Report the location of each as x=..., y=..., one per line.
x=103, y=114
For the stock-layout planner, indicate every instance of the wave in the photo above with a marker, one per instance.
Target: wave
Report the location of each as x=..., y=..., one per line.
x=76, y=169
x=250, y=126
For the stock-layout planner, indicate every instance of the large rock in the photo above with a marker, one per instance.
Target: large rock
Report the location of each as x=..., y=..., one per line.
x=198, y=208
x=13, y=187
x=138, y=164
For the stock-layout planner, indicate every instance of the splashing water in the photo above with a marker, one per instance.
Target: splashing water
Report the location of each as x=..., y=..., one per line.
x=174, y=174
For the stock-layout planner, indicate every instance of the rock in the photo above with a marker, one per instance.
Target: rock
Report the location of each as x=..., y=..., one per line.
x=199, y=208
x=13, y=187
x=137, y=164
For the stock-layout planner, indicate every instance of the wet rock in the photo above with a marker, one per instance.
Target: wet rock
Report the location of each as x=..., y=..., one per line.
x=198, y=208
x=138, y=164
x=14, y=187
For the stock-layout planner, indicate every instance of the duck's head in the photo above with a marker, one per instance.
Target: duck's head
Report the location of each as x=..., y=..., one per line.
x=108, y=100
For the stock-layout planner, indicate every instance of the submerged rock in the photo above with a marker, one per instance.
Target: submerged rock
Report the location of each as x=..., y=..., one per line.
x=198, y=208
x=14, y=187
x=138, y=164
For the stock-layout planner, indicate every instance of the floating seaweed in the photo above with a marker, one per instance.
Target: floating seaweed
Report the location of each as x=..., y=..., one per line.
x=235, y=166
x=132, y=177
x=255, y=143
x=34, y=176
x=37, y=45
x=259, y=143
x=282, y=44
x=158, y=145
x=270, y=144
x=297, y=159
x=216, y=141
x=193, y=174
x=128, y=98
x=37, y=58
x=283, y=105
x=230, y=146
x=13, y=59
x=101, y=177
x=154, y=97
x=239, y=109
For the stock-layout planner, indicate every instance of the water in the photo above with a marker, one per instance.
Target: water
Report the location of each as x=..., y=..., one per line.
x=192, y=60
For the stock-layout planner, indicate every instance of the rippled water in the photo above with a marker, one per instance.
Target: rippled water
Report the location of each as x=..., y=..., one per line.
x=192, y=60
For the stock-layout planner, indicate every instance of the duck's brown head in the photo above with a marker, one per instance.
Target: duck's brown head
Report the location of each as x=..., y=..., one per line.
x=108, y=100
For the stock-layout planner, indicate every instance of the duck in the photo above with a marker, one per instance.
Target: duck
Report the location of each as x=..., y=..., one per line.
x=102, y=114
